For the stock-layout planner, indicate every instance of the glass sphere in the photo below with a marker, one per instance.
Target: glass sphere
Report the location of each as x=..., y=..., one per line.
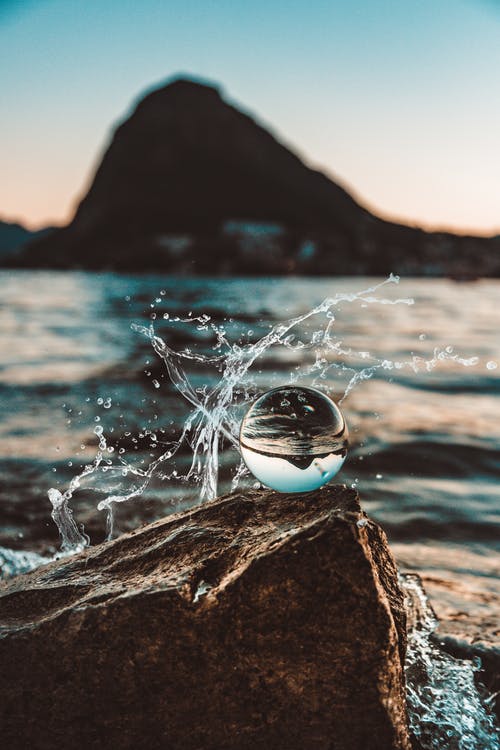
x=294, y=439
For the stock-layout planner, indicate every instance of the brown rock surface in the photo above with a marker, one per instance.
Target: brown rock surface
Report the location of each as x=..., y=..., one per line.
x=257, y=620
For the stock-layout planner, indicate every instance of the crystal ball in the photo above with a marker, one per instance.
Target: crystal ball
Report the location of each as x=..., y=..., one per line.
x=294, y=439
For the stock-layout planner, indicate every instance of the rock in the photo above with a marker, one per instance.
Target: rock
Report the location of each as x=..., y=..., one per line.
x=256, y=621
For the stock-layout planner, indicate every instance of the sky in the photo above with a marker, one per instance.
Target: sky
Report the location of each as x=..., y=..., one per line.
x=398, y=100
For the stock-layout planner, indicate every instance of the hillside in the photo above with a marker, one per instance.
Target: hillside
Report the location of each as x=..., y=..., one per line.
x=191, y=184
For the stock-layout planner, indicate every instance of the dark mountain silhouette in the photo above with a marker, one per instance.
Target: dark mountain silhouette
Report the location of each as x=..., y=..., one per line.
x=14, y=236
x=189, y=183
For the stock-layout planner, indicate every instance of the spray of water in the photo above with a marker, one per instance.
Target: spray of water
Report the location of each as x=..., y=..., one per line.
x=445, y=708
x=14, y=562
x=216, y=412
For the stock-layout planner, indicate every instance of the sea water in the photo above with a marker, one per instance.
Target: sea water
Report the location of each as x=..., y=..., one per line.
x=445, y=707
x=418, y=384
x=323, y=359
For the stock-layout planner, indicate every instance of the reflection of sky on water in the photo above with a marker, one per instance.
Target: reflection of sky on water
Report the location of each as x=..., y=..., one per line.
x=55, y=328
x=66, y=338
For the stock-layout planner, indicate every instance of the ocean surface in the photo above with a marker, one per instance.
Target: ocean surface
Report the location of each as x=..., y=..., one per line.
x=81, y=386
x=424, y=445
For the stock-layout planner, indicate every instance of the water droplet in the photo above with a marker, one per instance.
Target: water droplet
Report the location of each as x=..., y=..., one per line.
x=100, y=401
x=290, y=453
x=491, y=365
x=378, y=476
x=166, y=316
x=156, y=384
x=97, y=419
x=107, y=403
x=422, y=337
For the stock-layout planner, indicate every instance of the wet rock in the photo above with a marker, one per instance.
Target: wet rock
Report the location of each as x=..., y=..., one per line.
x=257, y=620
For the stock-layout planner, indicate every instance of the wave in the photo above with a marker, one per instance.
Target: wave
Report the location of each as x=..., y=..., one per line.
x=431, y=458
x=14, y=562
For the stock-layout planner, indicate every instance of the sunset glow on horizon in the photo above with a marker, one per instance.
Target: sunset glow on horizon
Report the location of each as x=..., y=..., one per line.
x=398, y=104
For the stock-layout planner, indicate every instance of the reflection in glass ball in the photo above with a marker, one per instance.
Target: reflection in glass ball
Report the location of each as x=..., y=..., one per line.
x=294, y=439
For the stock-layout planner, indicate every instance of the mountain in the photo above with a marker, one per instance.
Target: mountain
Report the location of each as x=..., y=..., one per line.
x=189, y=183
x=14, y=236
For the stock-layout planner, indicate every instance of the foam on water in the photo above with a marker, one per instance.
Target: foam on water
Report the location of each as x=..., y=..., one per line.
x=445, y=708
x=14, y=562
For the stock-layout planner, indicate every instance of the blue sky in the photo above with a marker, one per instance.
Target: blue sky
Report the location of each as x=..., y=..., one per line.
x=397, y=100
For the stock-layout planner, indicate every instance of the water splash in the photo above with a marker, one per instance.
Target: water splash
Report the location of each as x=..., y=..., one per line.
x=74, y=539
x=216, y=411
x=445, y=708
x=15, y=562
